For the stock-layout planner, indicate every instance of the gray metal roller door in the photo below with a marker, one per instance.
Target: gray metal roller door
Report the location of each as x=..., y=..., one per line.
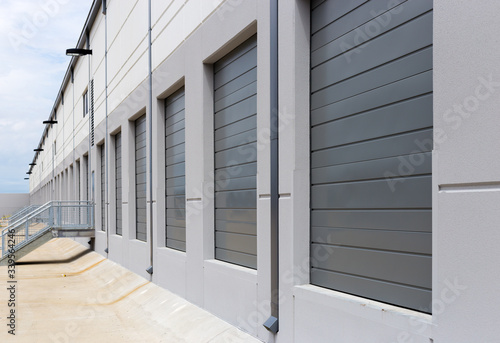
x=175, y=187
x=86, y=177
x=235, y=83
x=78, y=180
x=118, y=182
x=371, y=143
x=140, y=178
x=103, y=187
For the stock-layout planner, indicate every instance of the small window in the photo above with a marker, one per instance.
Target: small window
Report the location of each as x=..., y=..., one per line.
x=85, y=103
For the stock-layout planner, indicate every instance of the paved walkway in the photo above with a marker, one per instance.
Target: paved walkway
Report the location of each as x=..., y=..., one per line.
x=64, y=293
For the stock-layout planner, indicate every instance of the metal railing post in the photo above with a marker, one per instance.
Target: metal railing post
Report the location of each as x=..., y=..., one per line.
x=91, y=210
x=59, y=223
x=3, y=243
x=51, y=216
x=26, y=234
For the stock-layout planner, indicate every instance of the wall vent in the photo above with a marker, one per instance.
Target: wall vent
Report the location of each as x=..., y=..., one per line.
x=92, y=112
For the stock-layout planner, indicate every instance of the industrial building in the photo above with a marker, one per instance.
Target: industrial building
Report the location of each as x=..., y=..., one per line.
x=308, y=171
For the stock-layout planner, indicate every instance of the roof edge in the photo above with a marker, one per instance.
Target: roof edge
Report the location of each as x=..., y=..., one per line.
x=91, y=17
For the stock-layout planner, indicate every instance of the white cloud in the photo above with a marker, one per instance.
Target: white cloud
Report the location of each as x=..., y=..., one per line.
x=35, y=35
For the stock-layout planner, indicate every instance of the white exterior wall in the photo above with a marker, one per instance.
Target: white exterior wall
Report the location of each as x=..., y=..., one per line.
x=467, y=110
x=187, y=38
x=81, y=83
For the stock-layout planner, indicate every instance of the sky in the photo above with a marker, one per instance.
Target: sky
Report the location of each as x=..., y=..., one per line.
x=34, y=36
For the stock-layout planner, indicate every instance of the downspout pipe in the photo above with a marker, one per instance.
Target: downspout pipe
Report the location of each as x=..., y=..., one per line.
x=53, y=174
x=73, y=132
x=89, y=181
x=106, y=145
x=272, y=323
x=150, y=70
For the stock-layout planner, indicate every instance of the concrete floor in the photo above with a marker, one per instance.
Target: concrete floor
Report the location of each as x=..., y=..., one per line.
x=65, y=293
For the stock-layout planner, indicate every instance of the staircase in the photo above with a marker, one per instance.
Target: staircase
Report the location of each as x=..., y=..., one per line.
x=34, y=228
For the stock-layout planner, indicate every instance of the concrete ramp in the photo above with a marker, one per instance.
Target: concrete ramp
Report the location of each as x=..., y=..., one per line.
x=66, y=293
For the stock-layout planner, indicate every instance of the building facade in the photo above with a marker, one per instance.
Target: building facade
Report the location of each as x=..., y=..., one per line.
x=323, y=163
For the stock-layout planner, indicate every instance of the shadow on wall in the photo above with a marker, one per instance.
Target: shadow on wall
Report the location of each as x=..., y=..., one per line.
x=10, y=203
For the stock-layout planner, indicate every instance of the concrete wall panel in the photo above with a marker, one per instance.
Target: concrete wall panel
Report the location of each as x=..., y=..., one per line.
x=11, y=203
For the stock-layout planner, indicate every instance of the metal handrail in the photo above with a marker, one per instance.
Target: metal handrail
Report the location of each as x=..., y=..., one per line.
x=18, y=212
x=52, y=215
x=42, y=208
x=22, y=212
x=27, y=216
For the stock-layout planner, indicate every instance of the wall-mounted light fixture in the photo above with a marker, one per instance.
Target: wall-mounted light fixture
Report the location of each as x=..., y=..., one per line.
x=32, y=164
x=37, y=150
x=29, y=173
x=26, y=178
x=50, y=121
x=78, y=52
